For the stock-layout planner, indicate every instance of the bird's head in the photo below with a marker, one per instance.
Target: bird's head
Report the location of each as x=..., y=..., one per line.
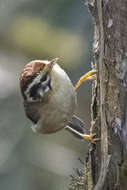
x=35, y=79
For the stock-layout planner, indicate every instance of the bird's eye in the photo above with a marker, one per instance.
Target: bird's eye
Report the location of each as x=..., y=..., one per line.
x=34, y=89
x=44, y=77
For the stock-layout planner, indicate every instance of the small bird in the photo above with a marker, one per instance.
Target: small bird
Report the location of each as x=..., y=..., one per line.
x=50, y=98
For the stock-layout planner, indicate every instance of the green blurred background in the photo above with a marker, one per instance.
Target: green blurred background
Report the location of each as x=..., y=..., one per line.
x=41, y=29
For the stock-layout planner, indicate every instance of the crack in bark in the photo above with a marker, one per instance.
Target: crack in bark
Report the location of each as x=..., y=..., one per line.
x=103, y=174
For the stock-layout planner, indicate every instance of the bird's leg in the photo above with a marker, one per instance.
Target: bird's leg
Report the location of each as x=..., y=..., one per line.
x=91, y=138
x=88, y=76
x=83, y=136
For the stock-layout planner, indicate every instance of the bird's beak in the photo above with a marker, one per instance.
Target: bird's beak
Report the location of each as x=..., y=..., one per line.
x=52, y=63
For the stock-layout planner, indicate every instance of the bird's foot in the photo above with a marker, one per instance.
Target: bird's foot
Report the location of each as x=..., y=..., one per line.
x=91, y=138
x=88, y=76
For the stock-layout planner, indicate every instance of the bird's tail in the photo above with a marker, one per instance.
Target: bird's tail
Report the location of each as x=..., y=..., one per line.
x=77, y=127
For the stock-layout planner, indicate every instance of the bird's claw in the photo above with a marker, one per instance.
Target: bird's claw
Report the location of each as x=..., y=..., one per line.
x=91, y=138
x=88, y=76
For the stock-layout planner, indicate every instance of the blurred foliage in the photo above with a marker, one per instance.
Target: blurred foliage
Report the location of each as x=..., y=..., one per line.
x=36, y=37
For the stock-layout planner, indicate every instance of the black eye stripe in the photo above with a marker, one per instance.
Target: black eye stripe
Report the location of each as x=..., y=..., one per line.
x=46, y=83
x=33, y=90
x=44, y=77
x=49, y=83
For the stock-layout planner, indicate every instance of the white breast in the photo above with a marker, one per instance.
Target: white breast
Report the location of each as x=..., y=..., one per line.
x=61, y=107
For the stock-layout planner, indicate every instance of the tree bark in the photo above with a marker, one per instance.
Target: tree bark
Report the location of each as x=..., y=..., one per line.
x=106, y=167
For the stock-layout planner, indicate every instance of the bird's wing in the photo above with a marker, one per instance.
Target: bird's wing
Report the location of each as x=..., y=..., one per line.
x=76, y=126
x=31, y=112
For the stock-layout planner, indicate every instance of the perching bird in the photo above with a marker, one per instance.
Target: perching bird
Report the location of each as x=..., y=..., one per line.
x=50, y=98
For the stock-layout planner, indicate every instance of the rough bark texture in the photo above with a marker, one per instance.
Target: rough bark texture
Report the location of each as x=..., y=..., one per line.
x=106, y=168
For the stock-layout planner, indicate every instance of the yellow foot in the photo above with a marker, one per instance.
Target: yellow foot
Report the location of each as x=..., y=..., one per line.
x=91, y=138
x=87, y=76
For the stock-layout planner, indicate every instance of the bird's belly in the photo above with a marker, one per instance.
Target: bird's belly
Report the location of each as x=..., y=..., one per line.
x=54, y=122
x=57, y=117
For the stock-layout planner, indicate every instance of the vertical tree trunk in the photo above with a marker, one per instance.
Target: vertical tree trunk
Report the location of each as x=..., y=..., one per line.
x=106, y=168
x=110, y=99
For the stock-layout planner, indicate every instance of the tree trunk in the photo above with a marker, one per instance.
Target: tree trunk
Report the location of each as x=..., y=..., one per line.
x=106, y=168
